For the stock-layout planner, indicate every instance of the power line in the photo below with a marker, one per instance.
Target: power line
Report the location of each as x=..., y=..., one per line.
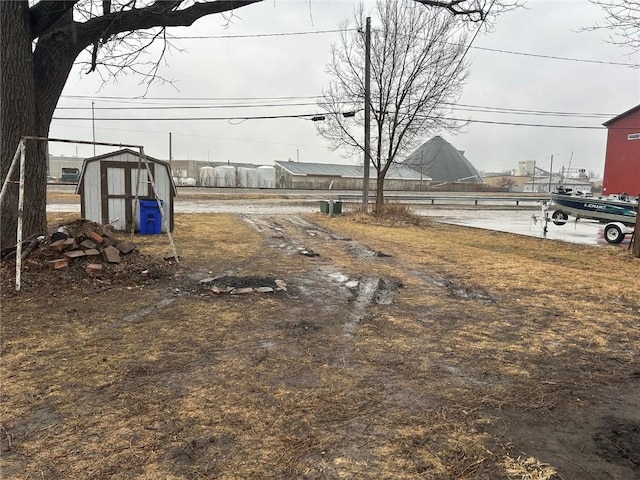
x=556, y=57
x=179, y=134
x=89, y=97
x=517, y=124
x=197, y=107
x=309, y=116
x=456, y=107
x=482, y=108
x=303, y=116
x=487, y=49
x=260, y=35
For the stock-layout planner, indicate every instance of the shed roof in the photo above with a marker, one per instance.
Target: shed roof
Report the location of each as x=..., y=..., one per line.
x=622, y=115
x=120, y=152
x=304, y=169
x=443, y=162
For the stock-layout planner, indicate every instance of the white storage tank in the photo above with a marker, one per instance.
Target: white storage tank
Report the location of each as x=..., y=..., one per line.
x=267, y=176
x=189, y=182
x=225, y=176
x=247, y=177
x=207, y=177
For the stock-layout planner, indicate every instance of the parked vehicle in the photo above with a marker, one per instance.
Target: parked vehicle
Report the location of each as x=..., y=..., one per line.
x=619, y=211
x=70, y=175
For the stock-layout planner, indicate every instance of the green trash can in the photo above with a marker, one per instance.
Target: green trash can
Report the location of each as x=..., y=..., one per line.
x=324, y=206
x=337, y=207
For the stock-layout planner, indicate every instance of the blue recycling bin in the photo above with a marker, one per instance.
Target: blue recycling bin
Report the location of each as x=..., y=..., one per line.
x=150, y=217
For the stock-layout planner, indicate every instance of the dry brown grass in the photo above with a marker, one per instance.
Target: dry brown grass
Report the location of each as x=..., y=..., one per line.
x=62, y=197
x=390, y=215
x=154, y=382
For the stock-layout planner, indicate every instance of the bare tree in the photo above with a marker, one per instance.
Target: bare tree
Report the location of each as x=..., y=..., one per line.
x=417, y=71
x=42, y=39
x=622, y=18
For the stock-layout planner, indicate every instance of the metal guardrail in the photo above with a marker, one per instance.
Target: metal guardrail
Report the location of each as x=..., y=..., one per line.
x=448, y=199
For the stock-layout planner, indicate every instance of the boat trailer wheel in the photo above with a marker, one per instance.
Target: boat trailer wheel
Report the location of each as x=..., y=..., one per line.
x=559, y=218
x=613, y=234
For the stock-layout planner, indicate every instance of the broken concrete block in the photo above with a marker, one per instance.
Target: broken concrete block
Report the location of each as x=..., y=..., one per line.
x=264, y=290
x=91, y=252
x=282, y=285
x=60, y=263
x=88, y=244
x=93, y=268
x=125, y=247
x=69, y=243
x=96, y=237
x=75, y=254
x=111, y=254
x=106, y=232
x=58, y=244
x=218, y=290
x=241, y=291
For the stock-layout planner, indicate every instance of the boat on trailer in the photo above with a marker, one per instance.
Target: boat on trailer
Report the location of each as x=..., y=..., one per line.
x=618, y=212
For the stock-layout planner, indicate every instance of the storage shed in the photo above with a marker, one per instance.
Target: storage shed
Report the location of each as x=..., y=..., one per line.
x=107, y=188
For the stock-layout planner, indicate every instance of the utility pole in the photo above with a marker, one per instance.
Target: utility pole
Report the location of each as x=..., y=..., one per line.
x=367, y=117
x=93, y=127
x=170, y=155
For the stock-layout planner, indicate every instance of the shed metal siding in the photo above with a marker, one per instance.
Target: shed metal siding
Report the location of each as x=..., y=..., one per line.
x=92, y=192
x=116, y=186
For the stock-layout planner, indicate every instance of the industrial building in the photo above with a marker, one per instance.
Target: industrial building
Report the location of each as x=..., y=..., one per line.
x=444, y=163
x=344, y=177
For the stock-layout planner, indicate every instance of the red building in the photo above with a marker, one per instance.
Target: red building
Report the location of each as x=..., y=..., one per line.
x=622, y=161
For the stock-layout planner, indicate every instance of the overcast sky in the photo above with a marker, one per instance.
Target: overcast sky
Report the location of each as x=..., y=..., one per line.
x=262, y=70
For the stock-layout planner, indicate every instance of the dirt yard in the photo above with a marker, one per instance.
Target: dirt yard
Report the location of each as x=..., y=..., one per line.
x=372, y=351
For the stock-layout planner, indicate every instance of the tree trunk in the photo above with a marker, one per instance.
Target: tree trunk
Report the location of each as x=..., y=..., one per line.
x=20, y=117
x=379, y=192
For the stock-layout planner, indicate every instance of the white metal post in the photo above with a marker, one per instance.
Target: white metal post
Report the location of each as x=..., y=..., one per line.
x=20, y=206
x=162, y=211
x=135, y=201
x=12, y=167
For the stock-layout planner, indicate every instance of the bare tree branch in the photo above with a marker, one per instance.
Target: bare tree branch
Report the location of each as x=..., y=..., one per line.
x=44, y=14
x=622, y=18
x=159, y=14
x=473, y=10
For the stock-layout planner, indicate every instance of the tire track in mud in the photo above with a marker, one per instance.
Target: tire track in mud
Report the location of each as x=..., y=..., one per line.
x=294, y=235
